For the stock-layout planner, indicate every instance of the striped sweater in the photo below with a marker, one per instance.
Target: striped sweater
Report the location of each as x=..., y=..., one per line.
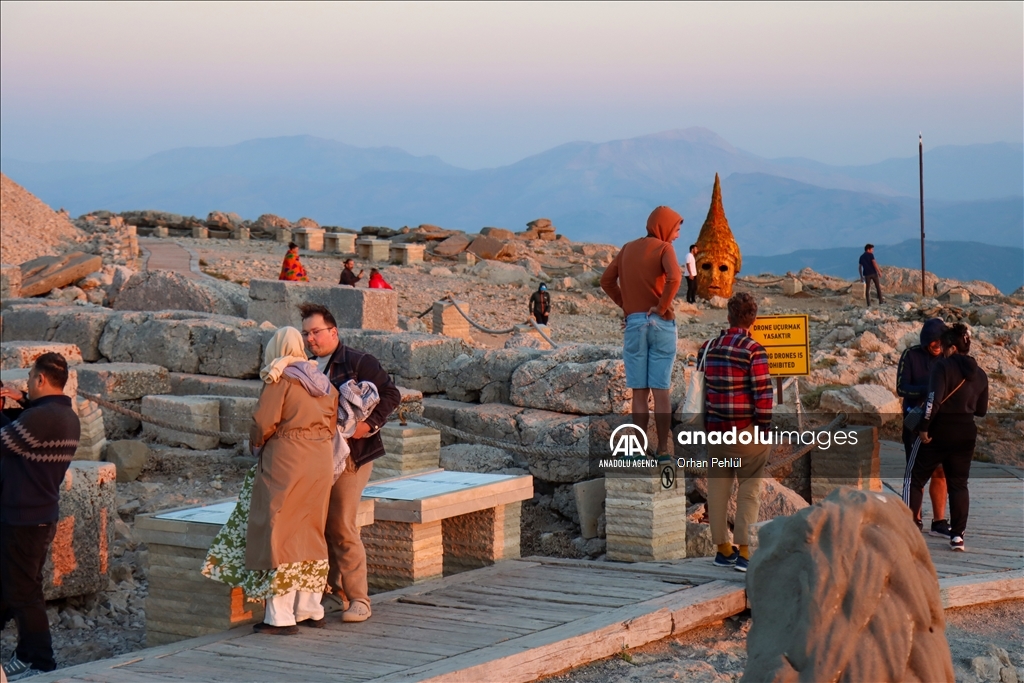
x=35, y=451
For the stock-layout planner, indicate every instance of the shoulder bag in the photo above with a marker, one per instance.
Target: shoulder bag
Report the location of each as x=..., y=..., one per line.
x=696, y=390
x=912, y=420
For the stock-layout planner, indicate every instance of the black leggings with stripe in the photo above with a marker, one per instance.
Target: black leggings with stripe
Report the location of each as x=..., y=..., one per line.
x=952, y=446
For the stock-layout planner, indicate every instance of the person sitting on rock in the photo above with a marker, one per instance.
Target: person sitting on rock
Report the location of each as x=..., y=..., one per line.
x=642, y=280
x=540, y=304
x=348, y=274
x=292, y=268
x=739, y=397
x=377, y=280
x=35, y=452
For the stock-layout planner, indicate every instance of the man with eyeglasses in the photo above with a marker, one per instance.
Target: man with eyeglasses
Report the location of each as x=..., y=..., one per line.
x=347, y=576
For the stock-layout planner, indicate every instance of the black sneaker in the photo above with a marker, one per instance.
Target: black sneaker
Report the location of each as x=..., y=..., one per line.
x=313, y=623
x=940, y=527
x=271, y=630
x=741, y=564
x=957, y=543
x=15, y=669
x=730, y=561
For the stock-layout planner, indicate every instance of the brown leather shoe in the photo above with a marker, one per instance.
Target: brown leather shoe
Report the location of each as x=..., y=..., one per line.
x=271, y=630
x=313, y=623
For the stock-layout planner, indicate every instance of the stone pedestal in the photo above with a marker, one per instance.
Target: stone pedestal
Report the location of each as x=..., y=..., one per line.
x=645, y=522
x=240, y=234
x=373, y=250
x=340, y=243
x=310, y=239
x=449, y=322
x=479, y=539
x=200, y=233
x=401, y=554
x=858, y=466
x=78, y=558
x=93, y=438
x=276, y=301
x=160, y=231
x=405, y=254
x=284, y=235
x=792, y=286
x=407, y=450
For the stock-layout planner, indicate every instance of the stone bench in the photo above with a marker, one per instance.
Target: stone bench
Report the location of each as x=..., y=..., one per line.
x=408, y=253
x=340, y=243
x=182, y=603
x=437, y=523
x=310, y=239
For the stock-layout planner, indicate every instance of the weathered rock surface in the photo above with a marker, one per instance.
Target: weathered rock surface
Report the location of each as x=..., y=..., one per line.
x=10, y=281
x=40, y=275
x=191, y=411
x=78, y=325
x=129, y=456
x=17, y=378
x=30, y=228
x=22, y=354
x=452, y=246
x=869, y=402
x=846, y=590
x=579, y=379
x=123, y=381
x=163, y=290
x=492, y=248
x=414, y=359
x=185, y=384
x=277, y=302
x=499, y=273
x=465, y=457
x=78, y=559
x=470, y=378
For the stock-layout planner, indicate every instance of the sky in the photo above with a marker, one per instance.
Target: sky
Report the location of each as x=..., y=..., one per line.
x=484, y=85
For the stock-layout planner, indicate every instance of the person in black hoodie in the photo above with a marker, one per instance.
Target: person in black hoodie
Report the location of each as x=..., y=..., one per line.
x=957, y=392
x=912, y=375
x=35, y=451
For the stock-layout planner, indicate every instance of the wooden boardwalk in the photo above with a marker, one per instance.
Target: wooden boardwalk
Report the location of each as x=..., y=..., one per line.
x=525, y=619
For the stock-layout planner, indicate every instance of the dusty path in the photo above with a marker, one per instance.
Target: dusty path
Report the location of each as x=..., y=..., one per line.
x=162, y=254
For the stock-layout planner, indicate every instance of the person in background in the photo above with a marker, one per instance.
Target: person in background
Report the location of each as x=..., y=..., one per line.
x=957, y=393
x=347, y=577
x=348, y=274
x=540, y=304
x=870, y=272
x=642, y=280
x=739, y=394
x=912, y=375
x=691, y=275
x=35, y=451
x=377, y=280
x=292, y=268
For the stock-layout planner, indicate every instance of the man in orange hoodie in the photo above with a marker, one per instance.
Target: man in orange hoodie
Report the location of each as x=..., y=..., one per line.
x=643, y=280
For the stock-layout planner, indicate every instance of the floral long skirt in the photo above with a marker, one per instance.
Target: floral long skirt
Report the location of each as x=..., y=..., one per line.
x=225, y=561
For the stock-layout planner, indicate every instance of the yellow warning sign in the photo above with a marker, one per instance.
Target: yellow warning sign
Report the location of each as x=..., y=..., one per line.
x=786, y=339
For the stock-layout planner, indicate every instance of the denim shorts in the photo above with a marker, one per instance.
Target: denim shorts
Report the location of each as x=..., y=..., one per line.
x=648, y=351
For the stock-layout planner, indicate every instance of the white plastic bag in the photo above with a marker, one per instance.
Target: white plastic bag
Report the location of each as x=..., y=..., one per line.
x=696, y=391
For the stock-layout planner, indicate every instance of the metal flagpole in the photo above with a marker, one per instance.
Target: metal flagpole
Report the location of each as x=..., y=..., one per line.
x=920, y=167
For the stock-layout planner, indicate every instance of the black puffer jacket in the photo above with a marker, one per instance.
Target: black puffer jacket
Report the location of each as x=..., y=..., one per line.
x=969, y=399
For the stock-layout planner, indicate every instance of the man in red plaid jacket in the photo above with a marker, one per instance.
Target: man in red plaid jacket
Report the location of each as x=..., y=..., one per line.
x=738, y=412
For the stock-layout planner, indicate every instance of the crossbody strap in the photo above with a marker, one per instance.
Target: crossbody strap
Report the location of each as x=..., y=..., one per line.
x=950, y=394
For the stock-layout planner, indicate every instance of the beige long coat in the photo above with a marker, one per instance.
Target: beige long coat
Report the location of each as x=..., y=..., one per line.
x=293, y=479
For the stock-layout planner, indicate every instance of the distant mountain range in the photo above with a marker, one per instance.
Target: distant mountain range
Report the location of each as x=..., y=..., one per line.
x=599, y=192
x=1002, y=266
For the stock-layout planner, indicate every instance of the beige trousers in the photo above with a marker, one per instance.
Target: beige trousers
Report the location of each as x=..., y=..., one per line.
x=753, y=459
x=347, y=576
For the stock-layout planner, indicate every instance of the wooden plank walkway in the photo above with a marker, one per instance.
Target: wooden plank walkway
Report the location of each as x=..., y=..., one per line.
x=524, y=619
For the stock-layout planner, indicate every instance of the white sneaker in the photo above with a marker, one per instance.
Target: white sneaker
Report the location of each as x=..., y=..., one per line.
x=357, y=611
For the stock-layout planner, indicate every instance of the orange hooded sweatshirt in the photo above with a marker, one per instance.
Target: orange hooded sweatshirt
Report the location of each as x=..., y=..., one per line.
x=645, y=273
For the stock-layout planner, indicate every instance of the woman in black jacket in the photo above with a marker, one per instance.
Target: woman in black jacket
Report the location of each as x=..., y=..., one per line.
x=957, y=392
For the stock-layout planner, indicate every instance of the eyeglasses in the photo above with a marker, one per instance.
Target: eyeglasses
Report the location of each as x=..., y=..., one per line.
x=313, y=333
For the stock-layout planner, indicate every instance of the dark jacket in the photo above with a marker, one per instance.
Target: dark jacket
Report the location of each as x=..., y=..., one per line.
x=348, y=277
x=916, y=366
x=540, y=303
x=969, y=399
x=35, y=451
x=346, y=364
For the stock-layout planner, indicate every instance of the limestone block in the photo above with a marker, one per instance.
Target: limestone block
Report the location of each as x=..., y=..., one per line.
x=472, y=457
x=959, y=297
x=581, y=379
x=10, y=281
x=372, y=249
x=82, y=326
x=401, y=554
x=236, y=416
x=160, y=231
x=449, y=322
x=452, y=245
x=191, y=411
x=93, y=437
x=340, y=243
x=479, y=539
x=284, y=235
x=408, y=449
x=698, y=540
x=240, y=234
x=187, y=384
x=468, y=258
x=487, y=247
x=644, y=522
x=869, y=403
x=791, y=286
x=129, y=456
x=413, y=359
x=589, y=497
x=40, y=275
x=408, y=253
x=200, y=232
x=164, y=290
x=22, y=354
x=311, y=239
x=857, y=466
x=77, y=561
x=276, y=301
x=123, y=381
x=469, y=377
x=17, y=378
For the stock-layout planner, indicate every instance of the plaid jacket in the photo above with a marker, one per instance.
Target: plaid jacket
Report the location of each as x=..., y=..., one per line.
x=739, y=387
x=346, y=364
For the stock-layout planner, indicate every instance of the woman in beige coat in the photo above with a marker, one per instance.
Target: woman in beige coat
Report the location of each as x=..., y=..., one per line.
x=282, y=509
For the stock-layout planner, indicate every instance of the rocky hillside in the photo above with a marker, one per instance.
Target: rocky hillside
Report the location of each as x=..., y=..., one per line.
x=29, y=228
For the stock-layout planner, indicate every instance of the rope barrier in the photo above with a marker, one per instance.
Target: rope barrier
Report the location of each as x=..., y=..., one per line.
x=486, y=330
x=155, y=421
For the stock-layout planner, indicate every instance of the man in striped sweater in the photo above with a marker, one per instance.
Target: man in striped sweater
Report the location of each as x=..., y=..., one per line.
x=35, y=450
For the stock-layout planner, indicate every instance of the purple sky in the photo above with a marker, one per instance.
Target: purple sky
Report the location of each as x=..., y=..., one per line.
x=487, y=84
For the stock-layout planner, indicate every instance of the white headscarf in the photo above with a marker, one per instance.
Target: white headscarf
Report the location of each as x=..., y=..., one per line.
x=283, y=349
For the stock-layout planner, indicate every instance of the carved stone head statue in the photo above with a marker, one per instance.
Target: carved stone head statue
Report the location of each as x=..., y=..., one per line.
x=718, y=256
